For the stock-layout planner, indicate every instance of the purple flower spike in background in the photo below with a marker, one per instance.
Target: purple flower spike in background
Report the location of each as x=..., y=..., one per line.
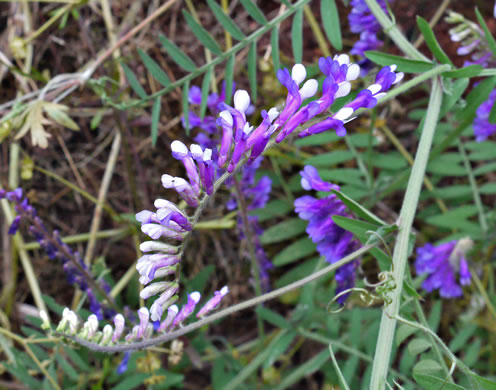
x=442, y=263
x=333, y=242
x=482, y=127
x=362, y=21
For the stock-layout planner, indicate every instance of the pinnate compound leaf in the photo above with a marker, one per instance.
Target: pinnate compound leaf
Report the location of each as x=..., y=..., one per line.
x=203, y=35
x=404, y=64
x=180, y=58
x=154, y=68
x=330, y=20
x=252, y=8
x=226, y=22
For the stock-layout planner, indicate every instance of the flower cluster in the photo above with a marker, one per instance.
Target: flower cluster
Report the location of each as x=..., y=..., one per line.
x=242, y=140
x=333, y=242
x=257, y=194
x=482, y=127
x=73, y=264
x=363, y=22
x=472, y=39
x=442, y=263
x=71, y=325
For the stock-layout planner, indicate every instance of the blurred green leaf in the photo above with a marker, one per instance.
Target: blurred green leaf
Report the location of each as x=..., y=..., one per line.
x=489, y=36
x=466, y=71
x=203, y=35
x=359, y=210
x=418, y=345
x=284, y=230
x=295, y=251
x=272, y=317
x=226, y=22
x=426, y=366
x=330, y=21
x=154, y=69
x=252, y=69
x=297, y=35
x=403, y=64
x=252, y=8
x=274, y=42
x=157, y=104
x=429, y=382
x=431, y=41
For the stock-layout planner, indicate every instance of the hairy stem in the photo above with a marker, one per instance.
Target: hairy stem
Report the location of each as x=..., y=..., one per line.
x=400, y=254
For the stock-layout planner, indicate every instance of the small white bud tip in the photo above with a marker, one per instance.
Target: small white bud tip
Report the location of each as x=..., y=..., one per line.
x=298, y=73
x=195, y=296
x=241, y=100
x=179, y=147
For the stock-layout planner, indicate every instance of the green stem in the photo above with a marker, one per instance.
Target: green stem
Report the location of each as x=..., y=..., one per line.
x=392, y=31
x=400, y=254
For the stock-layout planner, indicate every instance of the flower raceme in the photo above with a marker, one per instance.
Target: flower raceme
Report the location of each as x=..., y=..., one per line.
x=70, y=323
x=240, y=139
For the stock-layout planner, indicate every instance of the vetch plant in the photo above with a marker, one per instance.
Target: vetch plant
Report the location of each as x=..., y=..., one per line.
x=355, y=180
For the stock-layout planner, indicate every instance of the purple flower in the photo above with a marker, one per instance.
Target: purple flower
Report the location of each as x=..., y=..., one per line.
x=72, y=263
x=482, y=127
x=213, y=302
x=442, y=263
x=362, y=21
x=122, y=367
x=187, y=309
x=333, y=242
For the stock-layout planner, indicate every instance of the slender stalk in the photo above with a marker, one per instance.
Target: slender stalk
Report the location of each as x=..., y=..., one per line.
x=400, y=254
x=396, y=36
x=221, y=314
x=255, y=269
x=317, y=31
x=473, y=186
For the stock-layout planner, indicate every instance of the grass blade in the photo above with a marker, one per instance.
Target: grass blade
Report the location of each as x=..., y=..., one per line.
x=202, y=34
x=185, y=102
x=255, y=12
x=205, y=89
x=330, y=20
x=180, y=58
x=226, y=21
x=229, y=78
x=157, y=104
x=154, y=69
x=274, y=41
x=252, y=70
x=297, y=35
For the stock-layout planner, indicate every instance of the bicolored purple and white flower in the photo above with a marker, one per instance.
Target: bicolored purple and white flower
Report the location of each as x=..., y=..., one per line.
x=333, y=242
x=366, y=98
x=446, y=267
x=472, y=41
x=483, y=128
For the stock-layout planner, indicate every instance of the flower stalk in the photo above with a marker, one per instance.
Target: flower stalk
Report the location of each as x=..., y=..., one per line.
x=400, y=254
